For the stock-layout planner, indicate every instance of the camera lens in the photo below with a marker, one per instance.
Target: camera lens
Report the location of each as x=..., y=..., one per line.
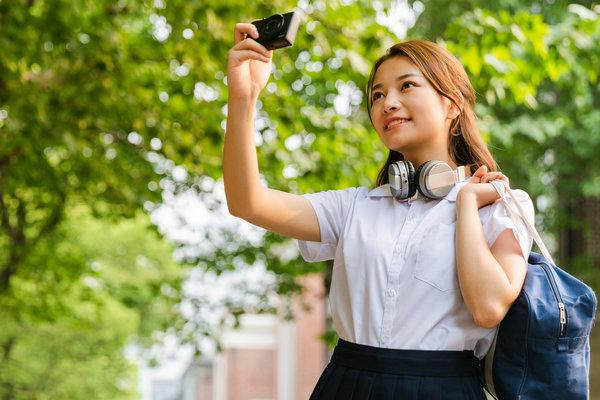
x=273, y=24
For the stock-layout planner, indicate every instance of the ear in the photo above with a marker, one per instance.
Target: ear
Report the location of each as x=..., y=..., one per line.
x=456, y=107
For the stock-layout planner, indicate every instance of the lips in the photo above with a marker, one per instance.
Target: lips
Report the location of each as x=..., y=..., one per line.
x=392, y=122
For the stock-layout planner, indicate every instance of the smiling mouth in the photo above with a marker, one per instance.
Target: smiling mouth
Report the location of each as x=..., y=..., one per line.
x=396, y=122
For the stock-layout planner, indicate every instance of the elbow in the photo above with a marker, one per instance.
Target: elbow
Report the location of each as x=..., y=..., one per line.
x=488, y=317
x=489, y=311
x=243, y=210
x=239, y=211
x=486, y=321
x=235, y=205
x=241, y=204
x=234, y=210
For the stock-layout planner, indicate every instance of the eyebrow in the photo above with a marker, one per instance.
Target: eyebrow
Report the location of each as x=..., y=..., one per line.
x=401, y=77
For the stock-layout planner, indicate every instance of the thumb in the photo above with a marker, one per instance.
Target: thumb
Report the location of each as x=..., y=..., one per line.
x=480, y=173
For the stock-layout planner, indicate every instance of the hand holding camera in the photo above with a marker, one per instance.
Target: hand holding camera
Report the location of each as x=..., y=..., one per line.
x=249, y=64
x=278, y=30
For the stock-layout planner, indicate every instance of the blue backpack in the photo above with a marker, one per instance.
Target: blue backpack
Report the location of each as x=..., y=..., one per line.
x=542, y=348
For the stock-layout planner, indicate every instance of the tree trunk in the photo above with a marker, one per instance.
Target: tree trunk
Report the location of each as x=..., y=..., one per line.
x=581, y=237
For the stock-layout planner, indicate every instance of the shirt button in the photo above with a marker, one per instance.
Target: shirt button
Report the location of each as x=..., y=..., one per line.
x=384, y=339
x=391, y=292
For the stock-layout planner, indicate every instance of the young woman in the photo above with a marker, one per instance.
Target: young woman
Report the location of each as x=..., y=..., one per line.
x=419, y=284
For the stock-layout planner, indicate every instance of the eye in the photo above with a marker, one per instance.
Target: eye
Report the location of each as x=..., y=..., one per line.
x=377, y=96
x=408, y=85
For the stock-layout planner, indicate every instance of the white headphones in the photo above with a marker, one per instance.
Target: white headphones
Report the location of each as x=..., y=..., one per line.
x=433, y=179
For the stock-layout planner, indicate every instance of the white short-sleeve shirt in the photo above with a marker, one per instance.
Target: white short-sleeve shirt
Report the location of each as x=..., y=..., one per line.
x=394, y=282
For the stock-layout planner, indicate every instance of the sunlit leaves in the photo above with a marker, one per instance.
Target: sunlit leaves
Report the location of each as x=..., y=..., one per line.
x=539, y=97
x=107, y=103
x=88, y=289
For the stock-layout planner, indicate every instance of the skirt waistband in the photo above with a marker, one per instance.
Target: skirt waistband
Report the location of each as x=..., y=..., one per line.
x=405, y=362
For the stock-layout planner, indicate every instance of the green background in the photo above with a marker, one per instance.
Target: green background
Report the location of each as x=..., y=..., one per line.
x=103, y=104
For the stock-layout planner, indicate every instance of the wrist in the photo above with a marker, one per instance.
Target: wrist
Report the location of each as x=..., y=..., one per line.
x=479, y=195
x=466, y=198
x=242, y=98
x=240, y=105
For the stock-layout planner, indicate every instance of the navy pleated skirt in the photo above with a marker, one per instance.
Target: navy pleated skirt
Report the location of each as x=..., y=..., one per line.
x=359, y=372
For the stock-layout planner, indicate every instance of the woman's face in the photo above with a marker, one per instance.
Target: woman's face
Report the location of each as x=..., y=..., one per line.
x=409, y=115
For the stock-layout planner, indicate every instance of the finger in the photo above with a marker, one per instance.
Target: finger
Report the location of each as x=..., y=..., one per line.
x=249, y=49
x=481, y=171
x=242, y=55
x=243, y=29
x=250, y=44
x=493, y=176
x=500, y=177
x=478, y=175
x=503, y=177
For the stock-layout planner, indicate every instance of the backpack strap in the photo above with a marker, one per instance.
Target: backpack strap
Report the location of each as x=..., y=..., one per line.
x=487, y=373
x=515, y=214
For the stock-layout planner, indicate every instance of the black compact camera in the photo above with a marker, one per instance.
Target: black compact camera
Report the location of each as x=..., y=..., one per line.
x=278, y=30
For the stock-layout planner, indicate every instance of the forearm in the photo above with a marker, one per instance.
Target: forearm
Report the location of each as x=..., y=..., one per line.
x=284, y=213
x=248, y=70
x=485, y=286
x=240, y=165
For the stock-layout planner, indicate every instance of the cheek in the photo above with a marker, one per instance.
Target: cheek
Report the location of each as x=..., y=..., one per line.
x=379, y=129
x=378, y=120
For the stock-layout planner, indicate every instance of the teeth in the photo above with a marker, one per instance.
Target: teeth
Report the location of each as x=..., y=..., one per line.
x=396, y=122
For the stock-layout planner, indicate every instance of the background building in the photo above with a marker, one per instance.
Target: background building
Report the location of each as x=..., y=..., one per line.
x=266, y=358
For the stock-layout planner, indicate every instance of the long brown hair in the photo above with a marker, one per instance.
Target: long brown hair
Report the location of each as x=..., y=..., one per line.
x=448, y=77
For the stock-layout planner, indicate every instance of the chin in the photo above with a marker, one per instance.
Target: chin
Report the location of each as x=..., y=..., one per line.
x=397, y=147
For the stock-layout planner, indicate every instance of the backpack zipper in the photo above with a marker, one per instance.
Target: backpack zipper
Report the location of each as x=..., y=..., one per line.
x=562, y=311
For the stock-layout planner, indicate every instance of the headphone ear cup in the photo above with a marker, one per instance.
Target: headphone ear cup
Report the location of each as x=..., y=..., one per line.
x=412, y=181
x=401, y=176
x=437, y=190
x=420, y=181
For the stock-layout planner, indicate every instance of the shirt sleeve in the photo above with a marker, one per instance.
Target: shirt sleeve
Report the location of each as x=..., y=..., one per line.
x=331, y=208
x=495, y=220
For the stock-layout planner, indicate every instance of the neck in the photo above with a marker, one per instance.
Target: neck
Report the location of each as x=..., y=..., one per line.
x=418, y=160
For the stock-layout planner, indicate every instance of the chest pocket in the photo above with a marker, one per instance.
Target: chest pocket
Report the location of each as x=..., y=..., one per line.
x=436, y=258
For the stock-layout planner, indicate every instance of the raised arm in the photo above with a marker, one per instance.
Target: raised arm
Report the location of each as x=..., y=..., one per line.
x=490, y=278
x=248, y=70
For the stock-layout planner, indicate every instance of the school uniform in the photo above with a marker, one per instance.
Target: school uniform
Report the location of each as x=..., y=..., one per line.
x=405, y=331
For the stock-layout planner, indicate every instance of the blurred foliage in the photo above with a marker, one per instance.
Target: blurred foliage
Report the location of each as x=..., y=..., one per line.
x=539, y=105
x=100, y=102
x=439, y=14
x=96, y=286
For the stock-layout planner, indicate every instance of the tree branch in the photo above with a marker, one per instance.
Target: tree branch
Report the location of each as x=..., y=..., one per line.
x=3, y=209
x=10, y=266
x=8, y=158
x=9, y=387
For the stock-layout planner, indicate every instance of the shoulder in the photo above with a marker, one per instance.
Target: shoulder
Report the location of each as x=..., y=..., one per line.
x=495, y=214
x=345, y=200
x=523, y=197
x=348, y=194
x=526, y=204
x=524, y=201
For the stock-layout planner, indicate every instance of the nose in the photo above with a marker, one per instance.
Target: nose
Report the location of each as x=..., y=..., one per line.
x=391, y=103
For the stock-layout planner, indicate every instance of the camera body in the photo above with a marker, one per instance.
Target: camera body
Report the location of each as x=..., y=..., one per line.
x=278, y=30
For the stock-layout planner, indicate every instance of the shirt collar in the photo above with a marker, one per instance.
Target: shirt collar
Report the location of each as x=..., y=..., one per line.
x=454, y=192
x=380, y=191
x=384, y=191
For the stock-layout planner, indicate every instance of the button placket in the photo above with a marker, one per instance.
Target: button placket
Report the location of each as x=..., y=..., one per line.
x=394, y=271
